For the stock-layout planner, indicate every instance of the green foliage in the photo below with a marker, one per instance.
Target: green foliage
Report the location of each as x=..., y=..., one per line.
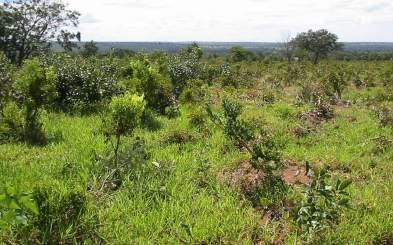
x=35, y=84
x=264, y=152
x=125, y=113
x=239, y=54
x=335, y=82
x=12, y=122
x=28, y=27
x=6, y=72
x=183, y=67
x=16, y=206
x=322, y=204
x=147, y=79
x=82, y=84
x=318, y=43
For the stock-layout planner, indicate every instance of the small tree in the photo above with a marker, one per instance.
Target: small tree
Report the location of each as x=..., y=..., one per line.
x=35, y=83
x=124, y=117
x=318, y=43
x=90, y=49
x=238, y=54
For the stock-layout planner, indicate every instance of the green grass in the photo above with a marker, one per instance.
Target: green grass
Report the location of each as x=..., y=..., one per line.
x=169, y=205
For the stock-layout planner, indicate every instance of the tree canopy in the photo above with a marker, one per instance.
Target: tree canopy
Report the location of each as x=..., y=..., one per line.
x=29, y=26
x=318, y=43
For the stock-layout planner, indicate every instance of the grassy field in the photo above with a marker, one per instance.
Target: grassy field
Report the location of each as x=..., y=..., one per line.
x=178, y=194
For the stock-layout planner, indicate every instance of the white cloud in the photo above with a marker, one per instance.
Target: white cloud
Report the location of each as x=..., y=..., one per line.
x=231, y=20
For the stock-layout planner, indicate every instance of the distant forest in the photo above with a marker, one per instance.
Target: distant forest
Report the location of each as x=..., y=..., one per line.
x=223, y=47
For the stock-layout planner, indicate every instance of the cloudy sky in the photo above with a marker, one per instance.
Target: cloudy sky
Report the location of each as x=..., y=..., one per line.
x=232, y=20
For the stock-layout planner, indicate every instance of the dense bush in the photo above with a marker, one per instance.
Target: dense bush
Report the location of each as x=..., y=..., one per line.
x=156, y=88
x=35, y=89
x=183, y=67
x=83, y=83
x=12, y=123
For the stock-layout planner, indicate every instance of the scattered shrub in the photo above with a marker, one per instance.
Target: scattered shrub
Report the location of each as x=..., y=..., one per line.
x=335, y=82
x=322, y=204
x=12, y=123
x=264, y=152
x=125, y=113
x=182, y=68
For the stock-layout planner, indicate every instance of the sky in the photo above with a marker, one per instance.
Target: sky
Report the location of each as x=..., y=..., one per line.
x=232, y=20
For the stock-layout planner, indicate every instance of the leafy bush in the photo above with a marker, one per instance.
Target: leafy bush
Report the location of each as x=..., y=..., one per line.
x=12, y=123
x=198, y=119
x=195, y=92
x=179, y=137
x=147, y=79
x=35, y=84
x=322, y=204
x=183, y=67
x=16, y=207
x=335, y=82
x=264, y=152
x=83, y=83
x=61, y=218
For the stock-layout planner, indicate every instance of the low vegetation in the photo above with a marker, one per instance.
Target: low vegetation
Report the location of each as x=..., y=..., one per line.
x=159, y=148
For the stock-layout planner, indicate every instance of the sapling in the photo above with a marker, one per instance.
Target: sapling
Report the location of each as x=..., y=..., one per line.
x=322, y=204
x=125, y=113
x=263, y=150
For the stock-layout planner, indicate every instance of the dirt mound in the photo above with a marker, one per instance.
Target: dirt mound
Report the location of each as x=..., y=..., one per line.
x=246, y=179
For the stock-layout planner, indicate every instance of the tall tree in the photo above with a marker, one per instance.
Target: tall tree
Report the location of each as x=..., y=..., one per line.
x=29, y=26
x=318, y=43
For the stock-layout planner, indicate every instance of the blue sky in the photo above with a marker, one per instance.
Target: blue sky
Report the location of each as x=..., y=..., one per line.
x=232, y=20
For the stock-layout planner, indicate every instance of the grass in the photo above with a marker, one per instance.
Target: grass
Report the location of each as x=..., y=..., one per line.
x=184, y=201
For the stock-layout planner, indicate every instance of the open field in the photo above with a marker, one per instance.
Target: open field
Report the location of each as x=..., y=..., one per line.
x=187, y=182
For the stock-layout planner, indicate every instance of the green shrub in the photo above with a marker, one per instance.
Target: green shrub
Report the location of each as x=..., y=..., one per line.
x=322, y=204
x=335, y=82
x=16, y=207
x=12, y=123
x=35, y=84
x=178, y=137
x=182, y=68
x=264, y=152
x=62, y=218
x=147, y=79
x=83, y=83
x=125, y=113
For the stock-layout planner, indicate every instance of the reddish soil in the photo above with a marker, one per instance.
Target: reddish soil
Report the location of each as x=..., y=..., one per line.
x=246, y=179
